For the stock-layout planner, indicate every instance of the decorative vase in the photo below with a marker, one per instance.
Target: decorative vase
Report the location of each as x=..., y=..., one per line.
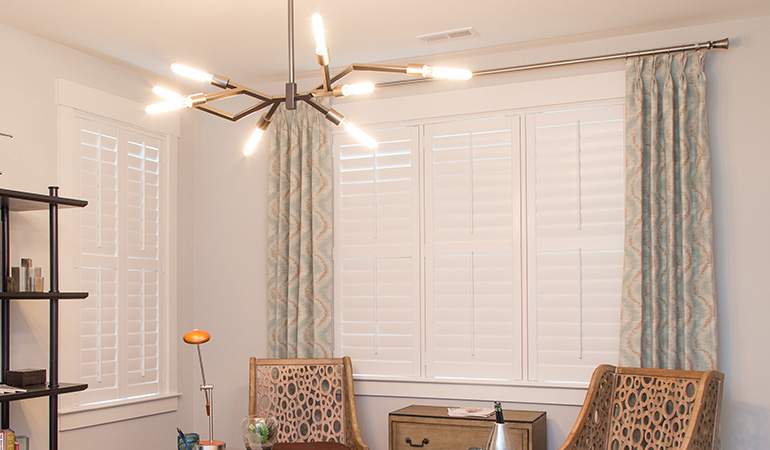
x=259, y=433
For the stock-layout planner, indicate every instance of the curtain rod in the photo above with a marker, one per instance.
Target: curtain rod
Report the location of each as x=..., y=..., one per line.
x=708, y=45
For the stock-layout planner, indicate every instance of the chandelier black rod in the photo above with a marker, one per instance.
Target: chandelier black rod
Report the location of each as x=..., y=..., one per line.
x=291, y=86
x=708, y=45
x=291, y=40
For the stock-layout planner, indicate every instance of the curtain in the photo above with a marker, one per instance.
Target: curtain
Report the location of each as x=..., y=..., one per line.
x=300, y=235
x=668, y=305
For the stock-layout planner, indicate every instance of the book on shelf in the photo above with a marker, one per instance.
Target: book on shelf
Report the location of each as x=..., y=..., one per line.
x=7, y=439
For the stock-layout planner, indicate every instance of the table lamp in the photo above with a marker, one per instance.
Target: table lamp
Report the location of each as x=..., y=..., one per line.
x=199, y=337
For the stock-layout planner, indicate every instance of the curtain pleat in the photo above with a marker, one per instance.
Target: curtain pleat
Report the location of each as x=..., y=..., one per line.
x=300, y=235
x=668, y=305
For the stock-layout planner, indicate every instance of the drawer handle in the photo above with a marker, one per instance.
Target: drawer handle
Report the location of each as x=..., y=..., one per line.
x=425, y=442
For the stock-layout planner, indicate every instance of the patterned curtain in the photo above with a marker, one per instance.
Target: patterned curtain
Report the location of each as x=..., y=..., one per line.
x=668, y=307
x=300, y=235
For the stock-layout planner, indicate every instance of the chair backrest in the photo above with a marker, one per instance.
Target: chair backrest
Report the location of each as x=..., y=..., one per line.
x=312, y=399
x=649, y=409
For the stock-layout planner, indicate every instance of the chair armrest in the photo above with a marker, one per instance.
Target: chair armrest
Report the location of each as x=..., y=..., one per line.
x=591, y=426
x=704, y=428
x=357, y=443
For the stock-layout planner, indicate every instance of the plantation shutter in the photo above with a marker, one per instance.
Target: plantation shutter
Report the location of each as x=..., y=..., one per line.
x=99, y=264
x=575, y=239
x=377, y=252
x=472, y=250
x=120, y=261
x=143, y=264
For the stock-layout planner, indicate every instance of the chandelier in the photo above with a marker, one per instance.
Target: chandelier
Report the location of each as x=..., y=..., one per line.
x=329, y=87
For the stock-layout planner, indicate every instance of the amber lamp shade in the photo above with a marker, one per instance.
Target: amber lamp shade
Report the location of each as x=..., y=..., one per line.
x=196, y=337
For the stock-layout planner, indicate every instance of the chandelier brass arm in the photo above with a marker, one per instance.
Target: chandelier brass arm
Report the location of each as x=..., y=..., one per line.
x=327, y=88
x=239, y=115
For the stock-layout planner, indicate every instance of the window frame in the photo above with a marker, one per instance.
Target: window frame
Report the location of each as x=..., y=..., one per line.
x=73, y=99
x=510, y=99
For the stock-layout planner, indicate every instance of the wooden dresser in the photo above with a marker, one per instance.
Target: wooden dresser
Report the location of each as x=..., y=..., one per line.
x=431, y=428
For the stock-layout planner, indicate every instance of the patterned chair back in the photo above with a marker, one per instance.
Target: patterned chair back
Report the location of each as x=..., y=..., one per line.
x=312, y=399
x=629, y=408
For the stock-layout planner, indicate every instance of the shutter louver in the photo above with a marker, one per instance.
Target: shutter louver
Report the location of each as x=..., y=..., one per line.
x=576, y=241
x=376, y=252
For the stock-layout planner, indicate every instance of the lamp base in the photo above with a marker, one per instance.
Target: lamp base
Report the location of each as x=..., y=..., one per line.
x=211, y=445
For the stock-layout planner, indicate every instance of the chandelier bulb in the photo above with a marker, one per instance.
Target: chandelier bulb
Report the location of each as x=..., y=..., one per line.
x=358, y=134
x=446, y=73
x=169, y=105
x=356, y=89
x=189, y=72
x=251, y=144
x=320, y=36
x=166, y=93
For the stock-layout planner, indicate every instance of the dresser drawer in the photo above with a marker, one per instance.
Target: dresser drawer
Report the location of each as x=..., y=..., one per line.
x=449, y=436
x=431, y=428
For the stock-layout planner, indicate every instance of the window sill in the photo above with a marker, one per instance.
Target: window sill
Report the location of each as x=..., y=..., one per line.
x=570, y=394
x=90, y=415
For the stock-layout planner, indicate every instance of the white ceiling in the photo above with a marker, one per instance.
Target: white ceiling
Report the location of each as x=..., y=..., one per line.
x=246, y=40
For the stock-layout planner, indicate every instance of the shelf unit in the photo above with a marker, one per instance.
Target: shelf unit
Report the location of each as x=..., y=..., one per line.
x=17, y=201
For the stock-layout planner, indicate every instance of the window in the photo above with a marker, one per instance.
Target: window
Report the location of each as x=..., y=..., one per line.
x=121, y=259
x=120, y=335
x=484, y=248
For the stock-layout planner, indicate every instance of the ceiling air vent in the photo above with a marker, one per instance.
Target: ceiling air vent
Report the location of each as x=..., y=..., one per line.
x=442, y=36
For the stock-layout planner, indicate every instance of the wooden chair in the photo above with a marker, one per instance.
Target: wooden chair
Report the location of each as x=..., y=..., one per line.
x=312, y=399
x=629, y=408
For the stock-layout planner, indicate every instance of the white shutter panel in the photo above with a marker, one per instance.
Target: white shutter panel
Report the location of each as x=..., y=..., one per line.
x=376, y=252
x=575, y=239
x=143, y=264
x=120, y=262
x=98, y=145
x=471, y=195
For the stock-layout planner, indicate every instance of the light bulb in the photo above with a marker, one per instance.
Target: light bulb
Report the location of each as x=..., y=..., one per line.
x=358, y=134
x=253, y=140
x=189, y=72
x=446, y=73
x=170, y=105
x=166, y=93
x=320, y=36
x=357, y=89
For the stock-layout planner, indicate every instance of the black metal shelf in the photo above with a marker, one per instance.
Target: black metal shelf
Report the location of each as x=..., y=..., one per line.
x=43, y=295
x=27, y=201
x=43, y=390
x=17, y=201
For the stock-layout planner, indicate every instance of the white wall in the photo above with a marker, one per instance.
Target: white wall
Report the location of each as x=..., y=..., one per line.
x=230, y=236
x=230, y=275
x=29, y=161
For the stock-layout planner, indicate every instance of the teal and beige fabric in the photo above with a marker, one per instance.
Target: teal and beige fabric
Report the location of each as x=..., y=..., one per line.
x=299, y=241
x=668, y=308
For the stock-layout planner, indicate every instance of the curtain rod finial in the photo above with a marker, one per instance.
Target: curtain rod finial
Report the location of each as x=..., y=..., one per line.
x=722, y=43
